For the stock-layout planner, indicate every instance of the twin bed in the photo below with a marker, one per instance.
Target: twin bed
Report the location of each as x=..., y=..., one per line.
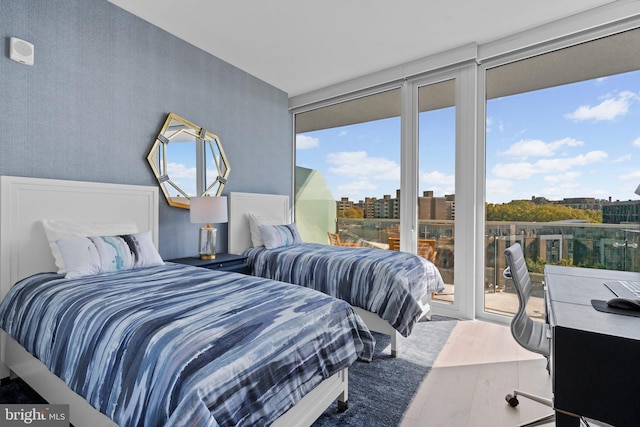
x=162, y=343
x=390, y=290
x=165, y=343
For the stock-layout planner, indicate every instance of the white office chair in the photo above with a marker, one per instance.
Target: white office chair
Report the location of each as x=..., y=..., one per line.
x=532, y=335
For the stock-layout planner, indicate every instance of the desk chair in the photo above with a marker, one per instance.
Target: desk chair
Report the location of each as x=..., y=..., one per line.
x=532, y=335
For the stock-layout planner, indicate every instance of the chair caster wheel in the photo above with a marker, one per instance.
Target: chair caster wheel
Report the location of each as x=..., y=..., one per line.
x=511, y=400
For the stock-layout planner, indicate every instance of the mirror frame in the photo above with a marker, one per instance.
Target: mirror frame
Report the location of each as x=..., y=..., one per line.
x=204, y=140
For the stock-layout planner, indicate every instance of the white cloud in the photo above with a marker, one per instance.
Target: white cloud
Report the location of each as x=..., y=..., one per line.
x=499, y=189
x=519, y=171
x=525, y=170
x=359, y=165
x=342, y=133
x=438, y=182
x=490, y=122
x=609, y=109
x=178, y=170
x=622, y=159
x=184, y=177
x=565, y=177
x=631, y=175
x=304, y=142
x=357, y=189
x=537, y=148
x=551, y=165
x=636, y=142
x=436, y=177
x=562, y=190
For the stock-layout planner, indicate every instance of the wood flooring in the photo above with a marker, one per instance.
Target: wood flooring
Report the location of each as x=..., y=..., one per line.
x=478, y=366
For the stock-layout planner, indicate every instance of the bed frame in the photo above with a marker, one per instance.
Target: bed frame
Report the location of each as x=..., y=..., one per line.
x=276, y=206
x=24, y=250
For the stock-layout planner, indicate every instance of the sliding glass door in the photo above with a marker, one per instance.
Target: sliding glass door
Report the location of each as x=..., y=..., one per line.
x=436, y=198
x=380, y=171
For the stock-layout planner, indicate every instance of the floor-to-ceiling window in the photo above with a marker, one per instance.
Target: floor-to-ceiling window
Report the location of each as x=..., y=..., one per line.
x=562, y=163
x=347, y=176
x=529, y=149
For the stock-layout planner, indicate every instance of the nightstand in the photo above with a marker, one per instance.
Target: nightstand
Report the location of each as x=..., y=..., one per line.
x=222, y=262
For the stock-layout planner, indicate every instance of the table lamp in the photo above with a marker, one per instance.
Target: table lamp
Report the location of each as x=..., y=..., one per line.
x=208, y=210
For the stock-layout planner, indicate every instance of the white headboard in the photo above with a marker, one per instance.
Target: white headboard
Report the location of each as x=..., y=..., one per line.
x=264, y=205
x=25, y=202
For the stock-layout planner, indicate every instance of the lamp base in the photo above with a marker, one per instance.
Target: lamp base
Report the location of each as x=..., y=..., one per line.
x=207, y=242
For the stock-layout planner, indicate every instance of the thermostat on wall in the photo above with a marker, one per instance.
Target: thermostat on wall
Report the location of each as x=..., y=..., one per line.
x=21, y=51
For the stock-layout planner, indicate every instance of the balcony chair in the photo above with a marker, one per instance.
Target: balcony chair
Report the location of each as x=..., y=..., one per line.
x=334, y=240
x=426, y=247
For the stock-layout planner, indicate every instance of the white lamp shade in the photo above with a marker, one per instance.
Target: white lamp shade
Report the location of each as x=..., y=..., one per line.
x=207, y=210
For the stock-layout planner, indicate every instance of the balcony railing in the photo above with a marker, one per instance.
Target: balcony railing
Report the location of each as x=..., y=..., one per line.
x=605, y=246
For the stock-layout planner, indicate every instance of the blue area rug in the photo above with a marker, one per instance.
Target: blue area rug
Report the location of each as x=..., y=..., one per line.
x=380, y=392
x=16, y=391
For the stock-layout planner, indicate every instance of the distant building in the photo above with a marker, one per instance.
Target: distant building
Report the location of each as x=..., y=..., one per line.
x=368, y=207
x=429, y=207
x=581, y=203
x=345, y=204
x=588, y=203
x=387, y=207
x=621, y=212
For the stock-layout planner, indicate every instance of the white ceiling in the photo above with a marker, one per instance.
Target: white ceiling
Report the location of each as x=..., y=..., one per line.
x=300, y=46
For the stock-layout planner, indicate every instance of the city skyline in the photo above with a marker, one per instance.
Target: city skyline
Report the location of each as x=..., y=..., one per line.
x=576, y=140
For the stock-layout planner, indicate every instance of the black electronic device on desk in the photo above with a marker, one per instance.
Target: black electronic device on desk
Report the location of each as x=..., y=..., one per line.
x=624, y=298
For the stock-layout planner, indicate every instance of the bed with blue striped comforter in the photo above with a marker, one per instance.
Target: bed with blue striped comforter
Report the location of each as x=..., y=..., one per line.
x=388, y=283
x=179, y=345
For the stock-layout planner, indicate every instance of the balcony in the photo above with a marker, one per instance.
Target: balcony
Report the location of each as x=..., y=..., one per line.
x=605, y=246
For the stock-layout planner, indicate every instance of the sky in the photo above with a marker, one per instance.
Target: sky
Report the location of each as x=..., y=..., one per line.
x=577, y=140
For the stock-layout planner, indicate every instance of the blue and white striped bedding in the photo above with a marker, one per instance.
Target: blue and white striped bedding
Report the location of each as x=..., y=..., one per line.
x=388, y=283
x=179, y=345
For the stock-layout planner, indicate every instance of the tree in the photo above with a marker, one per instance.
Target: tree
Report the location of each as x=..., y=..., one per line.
x=354, y=212
x=526, y=211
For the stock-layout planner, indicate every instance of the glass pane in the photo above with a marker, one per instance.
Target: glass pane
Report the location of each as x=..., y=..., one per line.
x=348, y=171
x=561, y=167
x=436, y=198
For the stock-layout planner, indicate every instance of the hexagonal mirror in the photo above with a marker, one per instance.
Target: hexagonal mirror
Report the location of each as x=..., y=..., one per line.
x=188, y=161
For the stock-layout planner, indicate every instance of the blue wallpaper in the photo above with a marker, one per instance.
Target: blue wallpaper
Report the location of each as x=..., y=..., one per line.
x=103, y=83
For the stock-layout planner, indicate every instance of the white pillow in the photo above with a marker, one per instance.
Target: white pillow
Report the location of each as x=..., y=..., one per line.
x=57, y=230
x=144, y=251
x=276, y=236
x=254, y=226
x=84, y=256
